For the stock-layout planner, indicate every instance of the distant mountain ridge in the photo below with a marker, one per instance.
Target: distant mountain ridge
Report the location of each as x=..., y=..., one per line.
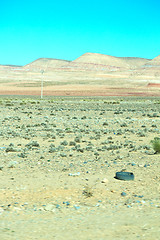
x=46, y=63
x=121, y=62
x=95, y=63
x=91, y=73
x=90, y=58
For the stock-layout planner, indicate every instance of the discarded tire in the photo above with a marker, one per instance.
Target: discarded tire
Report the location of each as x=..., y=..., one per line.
x=126, y=176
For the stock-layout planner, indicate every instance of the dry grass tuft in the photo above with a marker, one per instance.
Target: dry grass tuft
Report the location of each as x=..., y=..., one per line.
x=88, y=191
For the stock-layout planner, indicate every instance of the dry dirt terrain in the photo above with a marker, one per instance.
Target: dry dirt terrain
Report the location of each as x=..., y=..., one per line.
x=58, y=161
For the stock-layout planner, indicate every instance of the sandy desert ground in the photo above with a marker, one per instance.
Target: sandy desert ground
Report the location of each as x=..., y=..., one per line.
x=60, y=154
x=58, y=160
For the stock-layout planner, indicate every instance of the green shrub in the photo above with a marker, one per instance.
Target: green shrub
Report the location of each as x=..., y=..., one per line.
x=156, y=144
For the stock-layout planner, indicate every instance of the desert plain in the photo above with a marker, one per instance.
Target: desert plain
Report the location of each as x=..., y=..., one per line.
x=59, y=154
x=59, y=157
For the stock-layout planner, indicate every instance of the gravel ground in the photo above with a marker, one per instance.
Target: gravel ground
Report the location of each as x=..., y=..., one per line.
x=58, y=161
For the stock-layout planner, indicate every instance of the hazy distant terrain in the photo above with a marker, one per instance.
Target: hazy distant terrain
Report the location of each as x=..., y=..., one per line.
x=90, y=74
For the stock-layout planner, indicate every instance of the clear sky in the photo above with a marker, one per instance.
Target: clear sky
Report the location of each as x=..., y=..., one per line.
x=31, y=29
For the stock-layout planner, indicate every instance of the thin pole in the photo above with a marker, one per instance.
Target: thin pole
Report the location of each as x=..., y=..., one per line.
x=42, y=84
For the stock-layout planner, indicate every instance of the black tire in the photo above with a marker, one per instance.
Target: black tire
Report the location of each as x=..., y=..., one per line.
x=126, y=176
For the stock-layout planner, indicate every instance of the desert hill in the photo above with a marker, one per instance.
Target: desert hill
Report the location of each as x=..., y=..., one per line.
x=154, y=62
x=9, y=66
x=135, y=62
x=151, y=69
x=46, y=64
x=12, y=66
x=91, y=73
x=119, y=62
x=156, y=58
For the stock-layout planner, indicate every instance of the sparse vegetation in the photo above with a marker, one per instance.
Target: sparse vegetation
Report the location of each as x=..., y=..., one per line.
x=157, y=102
x=112, y=102
x=156, y=144
x=88, y=191
x=64, y=152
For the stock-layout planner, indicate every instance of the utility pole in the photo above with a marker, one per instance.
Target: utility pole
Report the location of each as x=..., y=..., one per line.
x=42, y=76
x=42, y=72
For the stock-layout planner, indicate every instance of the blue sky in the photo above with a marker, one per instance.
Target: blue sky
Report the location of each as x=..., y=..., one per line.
x=67, y=29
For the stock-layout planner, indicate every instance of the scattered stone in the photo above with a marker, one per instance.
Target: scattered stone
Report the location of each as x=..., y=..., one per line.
x=49, y=207
x=74, y=174
x=12, y=164
x=123, y=194
x=76, y=207
x=105, y=180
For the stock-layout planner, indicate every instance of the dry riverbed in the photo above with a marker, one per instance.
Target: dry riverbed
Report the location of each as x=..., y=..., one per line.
x=58, y=160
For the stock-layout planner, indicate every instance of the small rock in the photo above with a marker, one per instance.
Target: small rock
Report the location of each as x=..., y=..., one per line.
x=58, y=206
x=133, y=164
x=74, y=174
x=67, y=203
x=49, y=207
x=97, y=205
x=76, y=207
x=17, y=209
x=12, y=164
x=105, y=180
x=140, y=196
x=146, y=165
x=141, y=165
x=113, y=191
x=123, y=194
x=1, y=210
